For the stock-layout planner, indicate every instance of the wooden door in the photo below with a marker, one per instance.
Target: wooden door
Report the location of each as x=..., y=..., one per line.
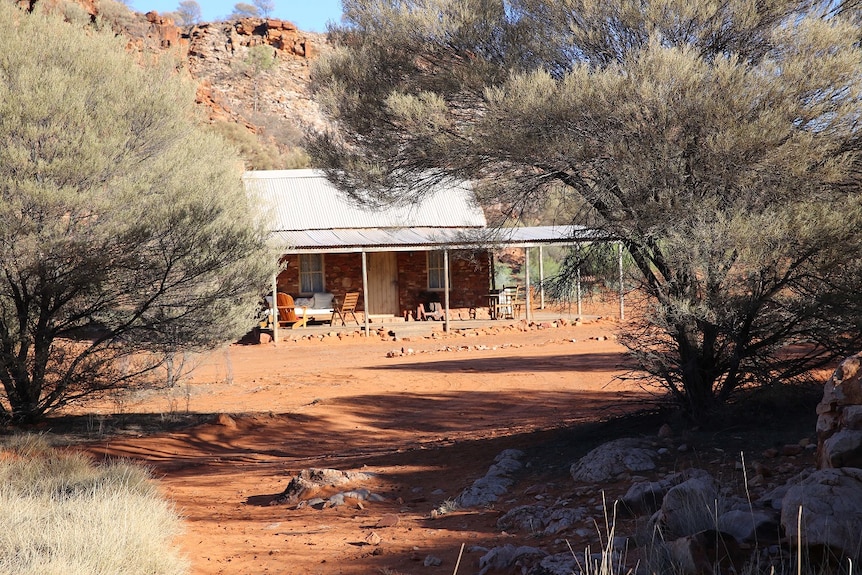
x=383, y=283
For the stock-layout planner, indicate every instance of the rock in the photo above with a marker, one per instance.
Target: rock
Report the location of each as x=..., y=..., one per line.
x=310, y=481
x=373, y=538
x=539, y=520
x=164, y=29
x=644, y=497
x=709, y=551
x=831, y=503
x=842, y=449
x=751, y=524
x=688, y=508
x=390, y=520
x=606, y=462
x=840, y=413
x=432, y=561
x=647, y=496
x=508, y=556
x=761, y=469
x=225, y=420
x=496, y=482
x=665, y=431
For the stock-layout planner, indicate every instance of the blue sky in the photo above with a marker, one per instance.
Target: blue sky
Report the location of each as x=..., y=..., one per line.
x=308, y=15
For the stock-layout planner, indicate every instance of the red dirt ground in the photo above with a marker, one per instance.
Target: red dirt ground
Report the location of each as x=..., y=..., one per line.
x=426, y=425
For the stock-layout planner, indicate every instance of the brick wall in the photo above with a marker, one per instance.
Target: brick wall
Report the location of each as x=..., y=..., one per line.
x=470, y=275
x=342, y=273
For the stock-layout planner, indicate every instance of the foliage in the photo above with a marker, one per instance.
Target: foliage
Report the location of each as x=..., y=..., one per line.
x=64, y=514
x=245, y=10
x=718, y=141
x=258, y=154
x=189, y=12
x=264, y=7
x=260, y=58
x=124, y=228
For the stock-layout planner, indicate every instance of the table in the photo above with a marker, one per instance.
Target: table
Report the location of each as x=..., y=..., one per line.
x=493, y=302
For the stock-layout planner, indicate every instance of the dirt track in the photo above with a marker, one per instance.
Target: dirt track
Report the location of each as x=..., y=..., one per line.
x=426, y=425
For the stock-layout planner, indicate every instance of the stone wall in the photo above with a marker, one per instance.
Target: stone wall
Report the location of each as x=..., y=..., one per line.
x=470, y=279
x=343, y=273
x=839, y=421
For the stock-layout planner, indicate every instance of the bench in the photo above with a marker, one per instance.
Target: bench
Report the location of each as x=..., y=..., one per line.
x=318, y=307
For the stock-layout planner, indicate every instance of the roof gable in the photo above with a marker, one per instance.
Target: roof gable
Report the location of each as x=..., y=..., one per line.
x=306, y=200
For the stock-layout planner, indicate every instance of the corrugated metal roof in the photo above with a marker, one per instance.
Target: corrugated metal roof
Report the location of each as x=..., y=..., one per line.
x=303, y=200
x=402, y=239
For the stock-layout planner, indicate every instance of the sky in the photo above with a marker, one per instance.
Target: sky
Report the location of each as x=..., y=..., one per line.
x=308, y=15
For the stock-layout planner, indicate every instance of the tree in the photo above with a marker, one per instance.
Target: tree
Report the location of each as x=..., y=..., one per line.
x=717, y=140
x=189, y=12
x=244, y=10
x=260, y=59
x=125, y=232
x=264, y=7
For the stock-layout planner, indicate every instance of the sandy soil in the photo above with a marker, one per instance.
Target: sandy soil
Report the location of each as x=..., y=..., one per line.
x=425, y=425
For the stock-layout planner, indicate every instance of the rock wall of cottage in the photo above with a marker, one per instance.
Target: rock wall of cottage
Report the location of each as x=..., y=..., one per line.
x=470, y=273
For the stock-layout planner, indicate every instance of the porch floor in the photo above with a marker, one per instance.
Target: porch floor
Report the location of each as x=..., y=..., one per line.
x=397, y=326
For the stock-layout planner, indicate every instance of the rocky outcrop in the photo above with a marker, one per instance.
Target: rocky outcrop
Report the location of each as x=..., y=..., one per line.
x=647, y=496
x=839, y=421
x=688, y=508
x=541, y=520
x=163, y=28
x=827, y=504
x=615, y=458
x=277, y=100
x=495, y=483
x=274, y=107
x=313, y=487
x=280, y=34
x=508, y=556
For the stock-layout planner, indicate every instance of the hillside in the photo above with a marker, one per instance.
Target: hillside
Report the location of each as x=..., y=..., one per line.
x=252, y=74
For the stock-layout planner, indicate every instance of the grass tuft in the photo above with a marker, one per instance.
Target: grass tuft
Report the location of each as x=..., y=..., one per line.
x=65, y=514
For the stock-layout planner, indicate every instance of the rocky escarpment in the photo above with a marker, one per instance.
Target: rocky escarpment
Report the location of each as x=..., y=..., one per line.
x=272, y=100
x=272, y=104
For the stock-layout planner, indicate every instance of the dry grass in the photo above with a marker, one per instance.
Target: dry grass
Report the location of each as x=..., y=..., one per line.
x=62, y=514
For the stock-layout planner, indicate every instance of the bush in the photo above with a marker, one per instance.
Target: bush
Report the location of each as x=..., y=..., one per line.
x=64, y=514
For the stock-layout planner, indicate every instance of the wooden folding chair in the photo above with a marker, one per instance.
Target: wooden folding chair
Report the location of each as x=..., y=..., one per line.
x=348, y=306
x=519, y=302
x=510, y=303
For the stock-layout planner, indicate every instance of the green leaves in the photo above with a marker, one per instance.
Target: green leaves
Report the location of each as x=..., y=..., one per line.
x=719, y=140
x=124, y=227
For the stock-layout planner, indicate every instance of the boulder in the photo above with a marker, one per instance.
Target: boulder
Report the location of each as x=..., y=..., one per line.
x=831, y=503
x=842, y=449
x=839, y=421
x=751, y=525
x=310, y=482
x=508, y=556
x=608, y=461
x=708, y=551
x=539, y=520
x=688, y=508
x=647, y=496
x=496, y=482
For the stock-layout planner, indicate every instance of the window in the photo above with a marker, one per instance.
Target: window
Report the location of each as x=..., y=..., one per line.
x=435, y=271
x=311, y=273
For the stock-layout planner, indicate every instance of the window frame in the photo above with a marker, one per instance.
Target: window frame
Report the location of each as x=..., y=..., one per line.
x=309, y=277
x=436, y=270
